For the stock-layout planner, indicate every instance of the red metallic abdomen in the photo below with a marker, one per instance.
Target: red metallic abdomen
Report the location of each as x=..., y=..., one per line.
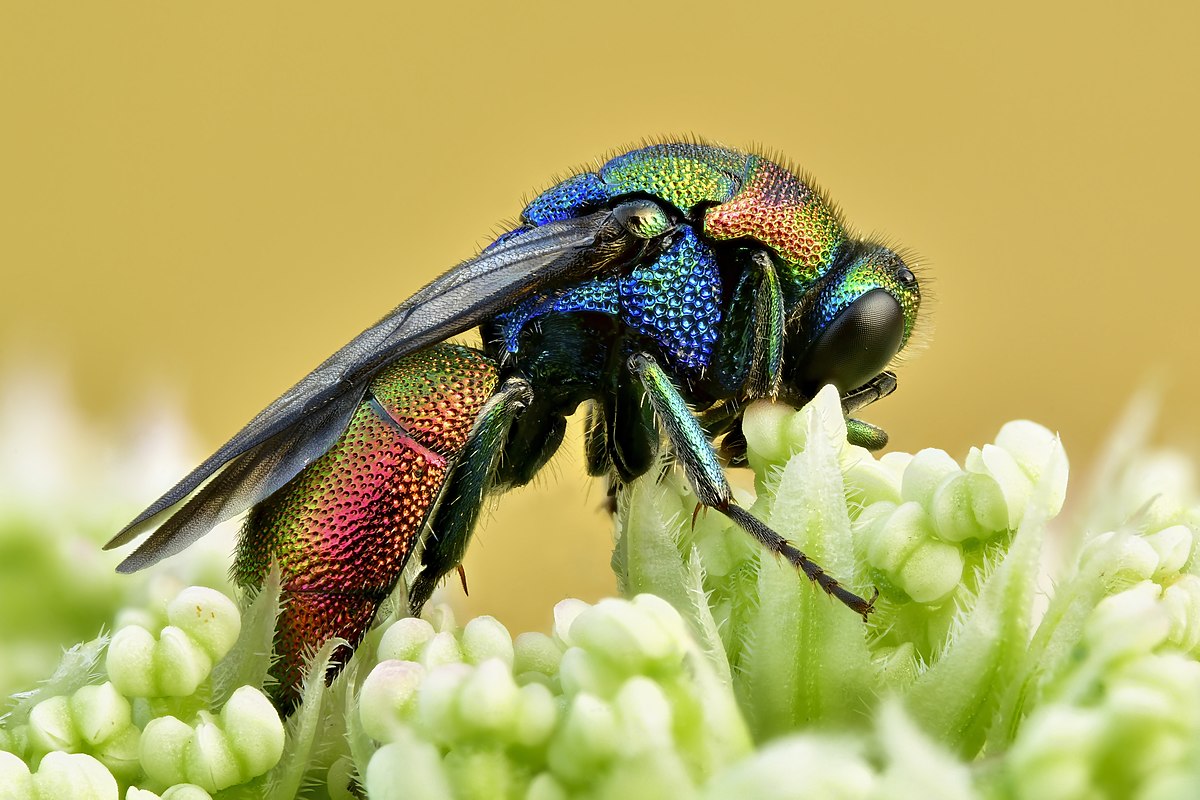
x=343, y=529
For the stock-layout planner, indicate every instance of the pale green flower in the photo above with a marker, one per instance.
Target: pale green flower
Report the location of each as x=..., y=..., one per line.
x=724, y=674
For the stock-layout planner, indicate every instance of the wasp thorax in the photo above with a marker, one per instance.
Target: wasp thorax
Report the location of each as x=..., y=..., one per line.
x=855, y=322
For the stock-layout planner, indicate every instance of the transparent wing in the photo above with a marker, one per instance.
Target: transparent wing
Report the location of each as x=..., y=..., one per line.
x=308, y=418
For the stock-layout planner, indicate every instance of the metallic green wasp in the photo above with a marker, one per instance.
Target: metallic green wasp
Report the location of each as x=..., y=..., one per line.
x=695, y=277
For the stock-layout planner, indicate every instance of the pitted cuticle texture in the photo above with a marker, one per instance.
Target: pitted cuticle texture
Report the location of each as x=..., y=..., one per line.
x=343, y=528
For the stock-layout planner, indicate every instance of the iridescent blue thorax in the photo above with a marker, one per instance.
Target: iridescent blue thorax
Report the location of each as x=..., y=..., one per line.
x=676, y=300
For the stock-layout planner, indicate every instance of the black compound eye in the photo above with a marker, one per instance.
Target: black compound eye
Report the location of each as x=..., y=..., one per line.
x=857, y=344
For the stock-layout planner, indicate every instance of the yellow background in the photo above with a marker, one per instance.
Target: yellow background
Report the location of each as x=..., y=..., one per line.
x=216, y=196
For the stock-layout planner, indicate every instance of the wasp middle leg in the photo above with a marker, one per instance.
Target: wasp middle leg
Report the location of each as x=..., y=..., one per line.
x=707, y=477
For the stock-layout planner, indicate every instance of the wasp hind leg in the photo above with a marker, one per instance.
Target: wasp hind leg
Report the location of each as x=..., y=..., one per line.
x=458, y=511
x=707, y=478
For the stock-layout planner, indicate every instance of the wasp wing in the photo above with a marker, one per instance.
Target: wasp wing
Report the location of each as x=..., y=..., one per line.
x=307, y=419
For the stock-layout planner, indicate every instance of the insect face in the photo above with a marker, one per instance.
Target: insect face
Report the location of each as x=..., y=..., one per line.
x=850, y=328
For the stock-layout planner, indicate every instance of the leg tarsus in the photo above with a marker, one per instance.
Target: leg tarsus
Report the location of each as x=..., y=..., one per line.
x=864, y=434
x=870, y=392
x=777, y=544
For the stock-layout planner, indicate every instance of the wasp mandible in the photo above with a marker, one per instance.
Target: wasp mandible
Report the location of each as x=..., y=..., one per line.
x=694, y=277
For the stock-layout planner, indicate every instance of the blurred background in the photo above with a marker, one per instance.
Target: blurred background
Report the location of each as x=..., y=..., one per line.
x=198, y=203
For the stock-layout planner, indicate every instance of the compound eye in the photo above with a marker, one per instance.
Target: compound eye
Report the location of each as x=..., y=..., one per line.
x=645, y=219
x=857, y=345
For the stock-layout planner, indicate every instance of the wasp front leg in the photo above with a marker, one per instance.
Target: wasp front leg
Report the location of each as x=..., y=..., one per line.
x=707, y=477
x=864, y=434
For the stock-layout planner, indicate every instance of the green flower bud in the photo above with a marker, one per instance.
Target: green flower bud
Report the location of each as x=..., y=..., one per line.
x=122, y=753
x=893, y=539
x=1054, y=755
x=100, y=713
x=536, y=716
x=442, y=649
x=254, y=730
x=137, y=616
x=1173, y=546
x=484, y=638
x=437, y=701
x=1036, y=449
x=483, y=773
x=644, y=715
x=209, y=758
x=581, y=671
x=130, y=660
x=164, y=745
x=925, y=473
x=952, y=510
x=173, y=666
x=988, y=504
x=245, y=741
x=932, y=571
x=1131, y=622
x=341, y=781
x=1181, y=601
x=625, y=635
x=185, y=791
x=545, y=787
x=797, y=766
x=1120, y=557
x=588, y=739
x=870, y=481
x=765, y=426
x=902, y=545
x=441, y=617
x=74, y=775
x=648, y=775
x=1014, y=482
x=51, y=727
x=536, y=652
x=407, y=769
x=95, y=719
x=405, y=639
x=488, y=699
x=389, y=697
x=565, y=612
x=718, y=545
x=16, y=782
x=896, y=462
x=1162, y=487
x=209, y=618
x=180, y=663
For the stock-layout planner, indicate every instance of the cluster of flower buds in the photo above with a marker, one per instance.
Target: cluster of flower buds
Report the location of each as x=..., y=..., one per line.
x=128, y=730
x=617, y=701
x=1093, y=691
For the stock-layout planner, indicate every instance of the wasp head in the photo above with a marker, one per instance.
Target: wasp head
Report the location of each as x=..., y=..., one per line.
x=848, y=328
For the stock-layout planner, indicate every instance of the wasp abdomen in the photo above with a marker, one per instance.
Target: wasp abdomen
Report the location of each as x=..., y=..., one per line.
x=344, y=527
